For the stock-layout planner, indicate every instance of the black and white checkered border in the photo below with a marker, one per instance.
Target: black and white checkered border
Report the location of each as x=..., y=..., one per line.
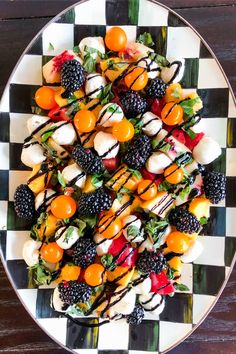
x=174, y=39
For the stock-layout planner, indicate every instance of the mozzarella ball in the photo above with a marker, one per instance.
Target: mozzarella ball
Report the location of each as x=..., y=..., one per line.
x=160, y=136
x=150, y=302
x=94, y=84
x=56, y=303
x=30, y=252
x=35, y=122
x=206, y=151
x=32, y=153
x=111, y=113
x=151, y=66
x=47, y=195
x=103, y=247
x=194, y=251
x=106, y=145
x=126, y=305
x=157, y=162
x=72, y=171
x=66, y=237
x=146, y=245
x=151, y=123
x=173, y=73
x=92, y=42
x=65, y=135
x=144, y=287
x=132, y=220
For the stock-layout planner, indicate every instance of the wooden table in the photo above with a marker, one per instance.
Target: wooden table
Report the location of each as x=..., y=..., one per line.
x=20, y=20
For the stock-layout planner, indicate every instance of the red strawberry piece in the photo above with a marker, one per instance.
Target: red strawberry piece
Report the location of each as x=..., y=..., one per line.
x=158, y=181
x=58, y=114
x=161, y=284
x=127, y=254
x=157, y=106
x=191, y=143
x=111, y=164
x=179, y=135
x=60, y=59
x=146, y=174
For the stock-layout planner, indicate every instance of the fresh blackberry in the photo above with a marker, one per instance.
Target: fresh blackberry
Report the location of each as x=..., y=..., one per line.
x=84, y=252
x=138, y=151
x=133, y=104
x=156, y=88
x=72, y=76
x=214, y=186
x=24, y=202
x=151, y=262
x=87, y=160
x=71, y=292
x=136, y=317
x=184, y=221
x=94, y=202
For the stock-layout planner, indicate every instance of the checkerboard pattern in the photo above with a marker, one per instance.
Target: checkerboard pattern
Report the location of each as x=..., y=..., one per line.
x=206, y=276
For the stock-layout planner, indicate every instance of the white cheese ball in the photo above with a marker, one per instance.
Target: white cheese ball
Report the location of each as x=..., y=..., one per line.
x=206, y=151
x=56, y=303
x=72, y=171
x=92, y=42
x=94, y=83
x=32, y=153
x=30, y=252
x=157, y=162
x=167, y=73
x=193, y=252
x=151, y=123
x=132, y=220
x=65, y=135
x=153, y=303
x=126, y=305
x=160, y=136
x=144, y=287
x=150, y=65
x=66, y=237
x=35, y=122
x=106, y=145
x=47, y=195
x=111, y=113
x=103, y=247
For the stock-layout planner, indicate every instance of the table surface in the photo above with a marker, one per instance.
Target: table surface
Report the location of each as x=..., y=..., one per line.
x=20, y=20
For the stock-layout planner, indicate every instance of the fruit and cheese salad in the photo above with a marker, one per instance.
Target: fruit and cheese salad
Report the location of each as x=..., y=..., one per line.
x=118, y=191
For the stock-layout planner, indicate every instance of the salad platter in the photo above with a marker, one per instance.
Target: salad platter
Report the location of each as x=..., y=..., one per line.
x=117, y=176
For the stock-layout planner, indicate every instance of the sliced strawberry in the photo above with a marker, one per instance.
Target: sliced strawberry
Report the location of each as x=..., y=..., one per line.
x=157, y=106
x=146, y=174
x=58, y=114
x=127, y=254
x=111, y=164
x=60, y=59
x=158, y=181
x=191, y=143
x=179, y=135
x=161, y=284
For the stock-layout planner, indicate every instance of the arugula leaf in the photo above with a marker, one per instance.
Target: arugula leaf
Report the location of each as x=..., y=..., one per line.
x=166, y=147
x=76, y=49
x=41, y=275
x=61, y=179
x=107, y=262
x=156, y=230
x=50, y=46
x=135, y=173
x=106, y=94
x=164, y=186
x=181, y=287
x=203, y=220
x=159, y=59
x=90, y=220
x=97, y=180
x=89, y=64
x=191, y=133
x=184, y=192
x=91, y=50
x=188, y=105
x=145, y=39
x=133, y=230
x=171, y=273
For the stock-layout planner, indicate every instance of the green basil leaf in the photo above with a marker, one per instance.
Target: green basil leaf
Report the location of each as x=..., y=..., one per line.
x=97, y=180
x=68, y=233
x=106, y=94
x=203, y=220
x=61, y=179
x=135, y=173
x=155, y=143
x=145, y=39
x=90, y=220
x=133, y=230
x=159, y=59
x=164, y=186
x=184, y=192
x=89, y=64
x=191, y=134
x=181, y=287
x=166, y=147
x=71, y=99
x=171, y=273
x=188, y=105
x=45, y=136
x=107, y=262
x=41, y=275
x=76, y=49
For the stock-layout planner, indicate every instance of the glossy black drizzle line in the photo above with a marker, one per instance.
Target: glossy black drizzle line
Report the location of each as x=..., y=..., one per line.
x=105, y=111
x=125, y=181
x=89, y=135
x=156, y=306
x=76, y=178
x=108, y=151
x=166, y=206
x=179, y=65
x=149, y=300
x=160, y=201
x=150, y=121
x=85, y=324
x=46, y=199
x=171, y=255
x=26, y=145
x=35, y=131
x=41, y=173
